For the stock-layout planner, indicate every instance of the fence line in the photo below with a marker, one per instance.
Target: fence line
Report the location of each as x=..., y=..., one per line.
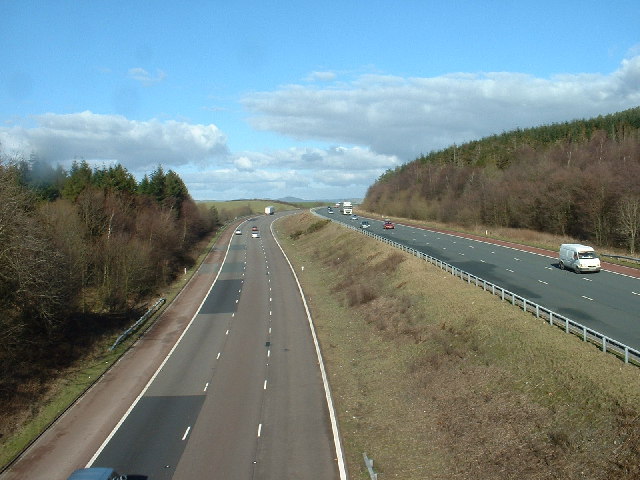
x=607, y=344
x=139, y=322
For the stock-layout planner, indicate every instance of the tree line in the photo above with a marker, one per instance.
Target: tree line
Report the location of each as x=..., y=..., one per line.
x=578, y=179
x=82, y=251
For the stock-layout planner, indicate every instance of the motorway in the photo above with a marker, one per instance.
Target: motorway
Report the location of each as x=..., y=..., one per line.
x=240, y=396
x=606, y=302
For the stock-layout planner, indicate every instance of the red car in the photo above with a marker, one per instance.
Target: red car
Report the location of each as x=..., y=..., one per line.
x=388, y=225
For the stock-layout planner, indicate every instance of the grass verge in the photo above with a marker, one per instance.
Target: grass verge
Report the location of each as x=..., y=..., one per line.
x=433, y=378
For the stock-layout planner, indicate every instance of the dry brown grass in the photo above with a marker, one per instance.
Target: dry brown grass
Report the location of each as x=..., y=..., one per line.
x=433, y=378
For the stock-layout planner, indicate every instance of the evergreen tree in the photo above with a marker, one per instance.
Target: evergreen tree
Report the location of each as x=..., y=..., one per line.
x=80, y=178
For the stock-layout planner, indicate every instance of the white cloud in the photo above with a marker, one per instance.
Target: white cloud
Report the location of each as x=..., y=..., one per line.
x=140, y=146
x=200, y=156
x=145, y=78
x=312, y=174
x=408, y=116
x=321, y=76
x=370, y=124
x=243, y=163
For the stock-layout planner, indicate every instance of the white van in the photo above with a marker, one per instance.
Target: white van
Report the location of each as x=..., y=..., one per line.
x=579, y=258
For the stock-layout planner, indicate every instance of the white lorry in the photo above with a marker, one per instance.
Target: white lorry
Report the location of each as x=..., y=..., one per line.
x=269, y=210
x=579, y=258
x=347, y=208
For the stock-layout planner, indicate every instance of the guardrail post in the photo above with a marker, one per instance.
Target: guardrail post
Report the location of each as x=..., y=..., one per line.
x=604, y=343
x=369, y=464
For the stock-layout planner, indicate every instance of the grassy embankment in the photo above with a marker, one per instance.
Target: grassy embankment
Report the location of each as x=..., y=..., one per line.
x=434, y=378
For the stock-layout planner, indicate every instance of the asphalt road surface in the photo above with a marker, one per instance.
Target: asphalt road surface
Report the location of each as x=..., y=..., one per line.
x=241, y=395
x=608, y=302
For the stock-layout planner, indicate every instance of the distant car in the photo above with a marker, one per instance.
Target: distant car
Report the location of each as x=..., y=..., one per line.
x=354, y=217
x=388, y=225
x=255, y=234
x=238, y=232
x=96, y=474
x=365, y=224
x=331, y=210
x=254, y=229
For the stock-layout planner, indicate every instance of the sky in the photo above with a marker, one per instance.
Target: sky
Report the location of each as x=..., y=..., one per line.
x=314, y=100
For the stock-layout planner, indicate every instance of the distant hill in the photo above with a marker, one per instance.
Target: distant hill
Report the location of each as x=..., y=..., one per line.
x=292, y=200
x=335, y=200
x=579, y=178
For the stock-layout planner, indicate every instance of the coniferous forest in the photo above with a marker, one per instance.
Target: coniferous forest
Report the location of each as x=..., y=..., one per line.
x=579, y=179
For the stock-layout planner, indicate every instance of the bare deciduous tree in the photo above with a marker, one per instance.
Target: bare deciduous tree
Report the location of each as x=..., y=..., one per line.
x=629, y=219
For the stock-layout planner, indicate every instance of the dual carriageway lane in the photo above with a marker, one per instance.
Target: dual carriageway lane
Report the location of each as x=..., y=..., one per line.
x=608, y=302
x=241, y=394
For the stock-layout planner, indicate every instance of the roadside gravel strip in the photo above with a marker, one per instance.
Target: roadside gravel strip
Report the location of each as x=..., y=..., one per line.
x=74, y=438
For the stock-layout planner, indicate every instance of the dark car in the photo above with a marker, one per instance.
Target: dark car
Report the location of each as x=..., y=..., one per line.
x=365, y=224
x=96, y=474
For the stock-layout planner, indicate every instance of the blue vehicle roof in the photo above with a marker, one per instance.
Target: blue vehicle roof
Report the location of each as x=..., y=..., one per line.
x=95, y=473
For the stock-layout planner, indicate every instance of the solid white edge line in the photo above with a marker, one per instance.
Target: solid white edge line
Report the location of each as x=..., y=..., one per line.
x=332, y=412
x=144, y=390
x=184, y=437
